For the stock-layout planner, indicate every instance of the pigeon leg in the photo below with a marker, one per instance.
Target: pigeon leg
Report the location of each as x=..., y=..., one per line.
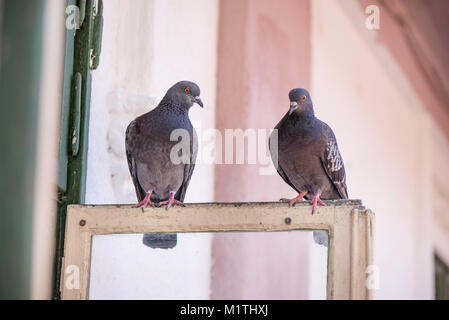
x=171, y=201
x=316, y=199
x=145, y=202
x=292, y=201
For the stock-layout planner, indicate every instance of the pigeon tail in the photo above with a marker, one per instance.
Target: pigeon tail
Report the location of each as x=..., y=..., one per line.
x=160, y=240
x=321, y=237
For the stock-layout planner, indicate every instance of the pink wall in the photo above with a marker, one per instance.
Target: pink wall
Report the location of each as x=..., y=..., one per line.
x=263, y=52
x=415, y=32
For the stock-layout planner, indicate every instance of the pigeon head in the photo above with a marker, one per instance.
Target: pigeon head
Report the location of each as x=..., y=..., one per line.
x=184, y=93
x=300, y=101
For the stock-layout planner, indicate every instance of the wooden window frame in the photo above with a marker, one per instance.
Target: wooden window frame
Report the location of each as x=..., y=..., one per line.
x=349, y=225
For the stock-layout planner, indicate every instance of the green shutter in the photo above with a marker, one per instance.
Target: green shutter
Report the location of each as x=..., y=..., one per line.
x=83, y=48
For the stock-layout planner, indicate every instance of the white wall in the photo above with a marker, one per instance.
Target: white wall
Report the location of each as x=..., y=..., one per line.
x=147, y=47
x=384, y=135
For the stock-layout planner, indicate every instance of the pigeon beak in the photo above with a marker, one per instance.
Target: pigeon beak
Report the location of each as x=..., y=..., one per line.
x=198, y=100
x=293, y=107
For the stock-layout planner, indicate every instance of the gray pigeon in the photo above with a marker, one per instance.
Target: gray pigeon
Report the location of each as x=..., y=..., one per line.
x=161, y=148
x=307, y=157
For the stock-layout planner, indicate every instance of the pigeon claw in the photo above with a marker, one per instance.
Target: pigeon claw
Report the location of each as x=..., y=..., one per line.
x=145, y=202
x=171, y=201
x=291, y=202
x=316, y=199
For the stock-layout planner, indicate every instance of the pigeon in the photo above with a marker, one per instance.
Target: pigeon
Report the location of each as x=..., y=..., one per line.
x=161, y=149
x=307, y=157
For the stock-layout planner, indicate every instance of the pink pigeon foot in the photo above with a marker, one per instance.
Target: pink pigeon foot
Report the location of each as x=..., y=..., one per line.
x=316, y=199
x=145, y=202
x=291, y=202
x=171, y=201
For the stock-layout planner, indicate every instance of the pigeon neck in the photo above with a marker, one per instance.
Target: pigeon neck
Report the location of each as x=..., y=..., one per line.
x=303, y=118
x=173, y=106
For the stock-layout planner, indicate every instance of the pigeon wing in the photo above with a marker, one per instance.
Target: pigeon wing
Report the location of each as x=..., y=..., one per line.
x=333, y=163
x=130, y=145
x=188, y=169
x=274, y=157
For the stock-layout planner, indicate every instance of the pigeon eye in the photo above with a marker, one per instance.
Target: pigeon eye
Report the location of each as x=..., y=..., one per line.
x=303, y=98
x=186, y=90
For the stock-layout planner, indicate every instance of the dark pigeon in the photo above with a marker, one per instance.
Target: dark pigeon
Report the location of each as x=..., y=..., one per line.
x=307, y=157
x=161, y=168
